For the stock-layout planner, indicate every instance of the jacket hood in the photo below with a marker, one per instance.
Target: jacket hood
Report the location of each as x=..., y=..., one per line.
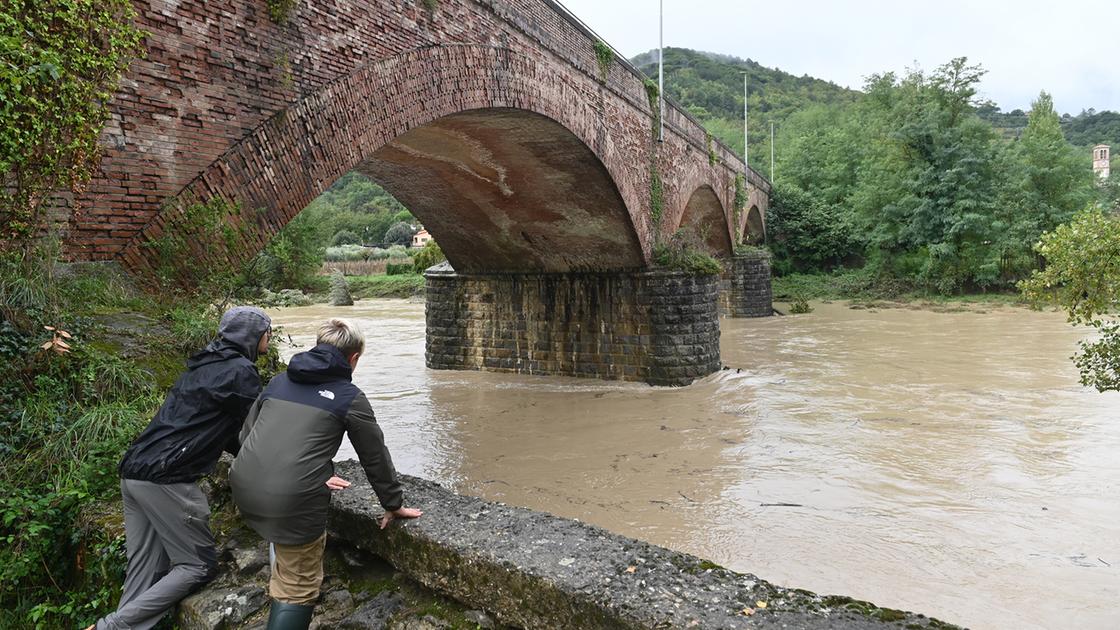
x=217, y=350
x=322, y=364
x=242, y=327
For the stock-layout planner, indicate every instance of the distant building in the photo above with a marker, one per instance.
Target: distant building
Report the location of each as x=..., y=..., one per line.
x=421, y=238
x=1101, y=161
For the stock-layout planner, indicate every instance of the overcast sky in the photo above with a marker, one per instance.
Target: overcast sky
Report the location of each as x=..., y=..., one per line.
x=1070, y=49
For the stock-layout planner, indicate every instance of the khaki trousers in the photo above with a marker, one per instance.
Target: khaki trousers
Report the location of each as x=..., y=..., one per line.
x=297, y=572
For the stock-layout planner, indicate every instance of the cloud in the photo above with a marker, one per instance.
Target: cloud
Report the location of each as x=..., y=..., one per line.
x=1027, y=46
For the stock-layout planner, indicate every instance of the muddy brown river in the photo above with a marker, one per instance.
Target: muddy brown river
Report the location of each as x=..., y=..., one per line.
x=948, y=463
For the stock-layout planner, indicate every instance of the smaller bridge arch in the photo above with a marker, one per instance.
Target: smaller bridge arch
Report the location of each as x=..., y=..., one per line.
x=754, y=226
x=704, y=220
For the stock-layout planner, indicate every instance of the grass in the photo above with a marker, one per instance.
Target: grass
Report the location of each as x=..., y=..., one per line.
x=861, y=286
x=399, y=286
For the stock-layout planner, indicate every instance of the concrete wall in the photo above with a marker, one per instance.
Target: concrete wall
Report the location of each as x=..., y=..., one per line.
x=535, y=570
x=658, y=327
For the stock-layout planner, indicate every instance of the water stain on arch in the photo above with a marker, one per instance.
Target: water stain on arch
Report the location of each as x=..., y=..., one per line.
x=504, y=189
x=705, y=220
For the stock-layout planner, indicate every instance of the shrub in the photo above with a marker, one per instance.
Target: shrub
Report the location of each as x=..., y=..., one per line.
x=345, y=237
x=343, y=253
x=429, y=255
x=340, y=291
x=799, y=305
x=683, y=253
x=401, y=269
x=399, y=234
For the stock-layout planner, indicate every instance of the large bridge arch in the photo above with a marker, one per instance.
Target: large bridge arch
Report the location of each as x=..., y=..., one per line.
x=425, y=123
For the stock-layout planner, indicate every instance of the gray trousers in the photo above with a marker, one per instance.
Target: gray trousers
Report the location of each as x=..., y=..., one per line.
x=171, y=552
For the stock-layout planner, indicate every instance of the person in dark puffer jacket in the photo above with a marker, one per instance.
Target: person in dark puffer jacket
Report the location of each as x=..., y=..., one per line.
x=283, y=476
x=171, y=552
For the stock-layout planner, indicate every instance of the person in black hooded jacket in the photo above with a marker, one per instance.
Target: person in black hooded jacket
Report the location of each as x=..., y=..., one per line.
x=171, y=552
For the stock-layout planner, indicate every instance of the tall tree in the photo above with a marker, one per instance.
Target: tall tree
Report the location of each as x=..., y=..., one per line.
x=1082, y=275
x=1050, y=180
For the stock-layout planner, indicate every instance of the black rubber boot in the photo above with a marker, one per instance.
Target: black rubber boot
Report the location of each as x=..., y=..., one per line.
x=289, y=616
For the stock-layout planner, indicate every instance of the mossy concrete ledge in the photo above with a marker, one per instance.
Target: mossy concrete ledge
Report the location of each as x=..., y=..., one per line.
x=535, y=570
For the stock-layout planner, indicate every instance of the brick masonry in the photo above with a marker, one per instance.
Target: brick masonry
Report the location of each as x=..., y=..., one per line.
x=658, y=327
x=227, y=103
x=745, y=287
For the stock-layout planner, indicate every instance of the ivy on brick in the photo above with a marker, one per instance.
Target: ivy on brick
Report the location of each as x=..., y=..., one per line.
x=652, y=92
x=216, y=224
x=60, y=64
x=740, y=200
x=656, y=197
x=280, y=11
x=605, y=56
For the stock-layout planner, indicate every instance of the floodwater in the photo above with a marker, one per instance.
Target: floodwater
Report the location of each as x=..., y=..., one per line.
x=947, y=463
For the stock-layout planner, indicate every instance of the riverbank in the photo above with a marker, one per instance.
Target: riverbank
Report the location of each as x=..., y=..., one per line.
x=469, y=563
x=855, y=287
x=865, y=291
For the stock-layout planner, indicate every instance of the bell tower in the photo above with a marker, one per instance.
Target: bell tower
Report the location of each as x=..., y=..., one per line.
x=1101, y=161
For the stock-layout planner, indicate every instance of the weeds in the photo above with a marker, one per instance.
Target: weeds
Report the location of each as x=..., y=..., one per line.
x=684, y=252
x=70, y=403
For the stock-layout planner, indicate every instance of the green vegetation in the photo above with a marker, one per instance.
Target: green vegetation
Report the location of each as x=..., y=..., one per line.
x=653, y=95
x=430, y=255
x=399, y=286
x=605, y=57
x=1082, y=275
x=399, y=233
x=79, y=379
x=683, y=252
x=656, y=196
x=1084, y=130
x=356, y=205
x=60, y=63
x=912, y=181
x=799, y=306
x=710, y=86
x=280, y=11
x=340, y=290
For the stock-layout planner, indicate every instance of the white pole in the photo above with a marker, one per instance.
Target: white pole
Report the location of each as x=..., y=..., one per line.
x=771, y=151
x=746, y=136
x=661, y=70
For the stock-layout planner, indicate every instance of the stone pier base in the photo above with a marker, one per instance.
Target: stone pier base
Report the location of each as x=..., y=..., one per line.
x=658, y=327
x=745, y=287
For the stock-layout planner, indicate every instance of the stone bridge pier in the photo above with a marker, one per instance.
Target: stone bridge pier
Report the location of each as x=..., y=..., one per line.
x=661, y=327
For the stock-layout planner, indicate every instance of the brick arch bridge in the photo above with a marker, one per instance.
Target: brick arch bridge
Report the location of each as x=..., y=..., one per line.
x=492, y=120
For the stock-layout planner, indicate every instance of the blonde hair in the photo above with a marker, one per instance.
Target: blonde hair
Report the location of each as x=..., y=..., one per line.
x=342, y=335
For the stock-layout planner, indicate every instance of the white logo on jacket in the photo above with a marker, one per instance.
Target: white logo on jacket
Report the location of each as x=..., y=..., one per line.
x=326, y=393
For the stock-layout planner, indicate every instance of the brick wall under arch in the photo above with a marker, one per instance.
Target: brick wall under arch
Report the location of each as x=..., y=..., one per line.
x=705, y=219
x=278, y=168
